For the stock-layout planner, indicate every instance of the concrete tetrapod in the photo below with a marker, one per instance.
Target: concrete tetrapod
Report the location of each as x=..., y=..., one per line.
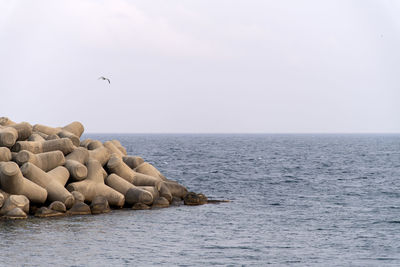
x=75, y=163
x=75, y=127
x=60, y=174
x=119, y=146
x=85, y=143
x=94, y=186
x=5, y=154
x=2, y=199
x=15, y=214
x=24, y=130
x=45, y=129
x=8, y=136
x=101, y=154
x=113, y=149
x=64, y=145
x=13, y=182
x=132, y=161
x=132, y=193
x=45, y=161
x=117, y=166
x=177, y=190
x=56, y=190
x=52, y=137
x=99, y=205
x=4, y=121
x=94, y=144
x=65, y=134
x=152, y=190
x=36, y=137
x=15, y=201
x=148, y=169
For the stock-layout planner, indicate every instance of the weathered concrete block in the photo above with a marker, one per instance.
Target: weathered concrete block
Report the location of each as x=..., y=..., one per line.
x=60, y=174
x=94, y=185
x=78, y=196
x=56, y=191
x=113, y=149
x=161, y=202
x=45, y=212
x=64, y=145
x=24, y=130
x=65, y=134
x=5, y=154
x=45, y=161
x=99, y=205
x=85, y=143
x=117, y=166
x=177, y=190
x=37, y=137
x=75, y=163
x=94, y=144
x=132, y=193
x=148, y=169
x=101, y=154
x=119, y=146
x=75, y=127
x=58, y=206
x=79, y=208
x=53, y=137
x=2, y=199
x=15, y=201
x=4, y=121
x=45, y=129
x=15, y=214
x=133, y=161
x=68, y=131
x=13, y=182
x=152, y=190
x=8, y=136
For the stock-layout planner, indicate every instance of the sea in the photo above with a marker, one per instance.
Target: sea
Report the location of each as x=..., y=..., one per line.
x=295, y=200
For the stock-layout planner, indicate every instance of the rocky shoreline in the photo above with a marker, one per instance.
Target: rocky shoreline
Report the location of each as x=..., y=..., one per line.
x=48, y=171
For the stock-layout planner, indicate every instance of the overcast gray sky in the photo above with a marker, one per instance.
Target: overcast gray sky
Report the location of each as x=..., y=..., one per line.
x=206, y=66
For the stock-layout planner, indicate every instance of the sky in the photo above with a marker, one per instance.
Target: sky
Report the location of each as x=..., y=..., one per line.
x=205, y=66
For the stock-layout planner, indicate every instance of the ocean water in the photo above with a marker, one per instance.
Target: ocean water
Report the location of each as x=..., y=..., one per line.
x=304, y=200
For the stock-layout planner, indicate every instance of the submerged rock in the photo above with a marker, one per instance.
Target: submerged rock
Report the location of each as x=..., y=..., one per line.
x=193, y=199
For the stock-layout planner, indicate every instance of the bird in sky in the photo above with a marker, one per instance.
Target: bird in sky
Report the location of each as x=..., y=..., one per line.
x=104, y=78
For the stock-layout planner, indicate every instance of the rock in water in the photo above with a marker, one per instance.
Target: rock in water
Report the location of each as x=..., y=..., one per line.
x=193, y=199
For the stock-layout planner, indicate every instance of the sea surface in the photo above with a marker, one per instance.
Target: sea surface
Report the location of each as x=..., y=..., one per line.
x=296, y=200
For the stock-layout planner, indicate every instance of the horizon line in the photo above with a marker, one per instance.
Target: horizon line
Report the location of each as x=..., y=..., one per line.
x=249, y=133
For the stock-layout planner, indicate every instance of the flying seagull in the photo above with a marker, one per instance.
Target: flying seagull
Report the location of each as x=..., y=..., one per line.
x=104, y=78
